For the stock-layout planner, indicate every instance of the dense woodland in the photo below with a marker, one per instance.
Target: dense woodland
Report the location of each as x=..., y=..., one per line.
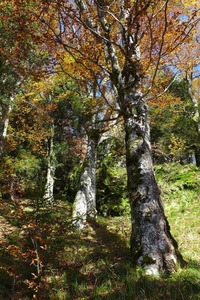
x=99, y=149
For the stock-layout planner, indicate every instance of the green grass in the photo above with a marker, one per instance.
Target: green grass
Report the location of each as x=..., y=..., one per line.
x=180, y=187
x=95, y=263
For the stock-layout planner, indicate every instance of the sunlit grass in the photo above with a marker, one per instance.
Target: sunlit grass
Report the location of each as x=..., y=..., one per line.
x=95, y=263
x=180, y=186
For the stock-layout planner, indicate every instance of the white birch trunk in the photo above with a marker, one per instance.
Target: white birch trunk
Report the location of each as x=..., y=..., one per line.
x=49, y=186
x=196, y=113
x=85, y=200
x=5, y=124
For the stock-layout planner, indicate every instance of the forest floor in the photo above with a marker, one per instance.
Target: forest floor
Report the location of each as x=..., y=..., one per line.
x=43, y=257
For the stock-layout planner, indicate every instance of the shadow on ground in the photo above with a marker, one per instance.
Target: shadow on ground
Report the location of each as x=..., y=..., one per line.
x=104, y=271
x=90, y=265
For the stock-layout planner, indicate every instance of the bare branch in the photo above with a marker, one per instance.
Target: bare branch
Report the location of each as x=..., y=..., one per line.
x=162, y=42
x=166, y=89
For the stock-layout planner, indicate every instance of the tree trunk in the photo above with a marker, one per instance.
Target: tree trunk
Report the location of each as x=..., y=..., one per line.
x=121, y=38
x=5, y=115
x=49, y=186
x=194, y=101
x=197, y=156
x=152, y=245
x=196, y=114
x=85, y=200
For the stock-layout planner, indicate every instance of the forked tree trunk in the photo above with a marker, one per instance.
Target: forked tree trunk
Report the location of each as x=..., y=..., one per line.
x=151, y=242
x=85, y=200
x=152, y=245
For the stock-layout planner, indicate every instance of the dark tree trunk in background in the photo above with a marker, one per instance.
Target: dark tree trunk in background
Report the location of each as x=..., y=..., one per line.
x=197, y=155
x=152, y=245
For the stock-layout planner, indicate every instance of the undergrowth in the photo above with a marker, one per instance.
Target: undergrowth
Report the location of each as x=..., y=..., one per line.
x=43, y=257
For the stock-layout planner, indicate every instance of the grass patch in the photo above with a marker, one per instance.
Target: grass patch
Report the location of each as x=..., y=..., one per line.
x=180, y=187
x=95, y=263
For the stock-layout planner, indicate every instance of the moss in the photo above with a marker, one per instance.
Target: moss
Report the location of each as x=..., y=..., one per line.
x=148, y=260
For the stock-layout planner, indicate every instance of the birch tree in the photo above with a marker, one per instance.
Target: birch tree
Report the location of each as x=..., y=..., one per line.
x=129, y=41
x=85, y=200
x=187, y=62
x=9, y=86
x=97, y=117
x=51, y=169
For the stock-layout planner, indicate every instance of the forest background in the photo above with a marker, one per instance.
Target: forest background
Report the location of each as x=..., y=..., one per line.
x=60, y=117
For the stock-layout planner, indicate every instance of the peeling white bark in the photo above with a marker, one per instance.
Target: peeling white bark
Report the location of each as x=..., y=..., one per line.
x=51, y=168
x=85, y=200
x=5, y=124
x=196, y=113
x=152, y=245
x=80, y=210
